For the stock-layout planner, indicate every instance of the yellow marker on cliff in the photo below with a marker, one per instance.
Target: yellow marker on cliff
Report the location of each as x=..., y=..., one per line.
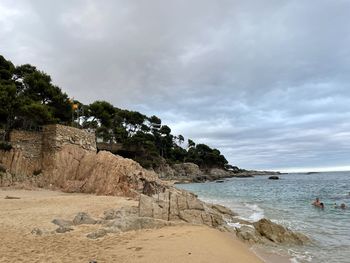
x=75, y=106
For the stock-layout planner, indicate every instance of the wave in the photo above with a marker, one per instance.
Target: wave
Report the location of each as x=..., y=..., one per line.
x=249, y=212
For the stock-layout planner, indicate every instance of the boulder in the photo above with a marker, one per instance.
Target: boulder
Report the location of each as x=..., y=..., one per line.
x=274, y=177
x=186, y=170
x=219, y=173
x=75, y=169
x=179, y=205
x=83, y=218
x=278, y=234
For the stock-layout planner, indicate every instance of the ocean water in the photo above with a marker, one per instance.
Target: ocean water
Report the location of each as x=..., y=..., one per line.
x=288, y=202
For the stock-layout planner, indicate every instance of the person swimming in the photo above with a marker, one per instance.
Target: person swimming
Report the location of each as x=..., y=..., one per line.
x=317, y=203
x=341, y=206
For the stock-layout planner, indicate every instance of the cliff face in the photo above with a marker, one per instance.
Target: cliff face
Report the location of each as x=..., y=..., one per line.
x=77, y=170
x=66, y=158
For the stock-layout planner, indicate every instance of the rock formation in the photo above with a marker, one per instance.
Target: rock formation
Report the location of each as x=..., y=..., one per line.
x=78, y=170
x=66, y=158
x=176, y=207
x=265, y=231
x=179, y=205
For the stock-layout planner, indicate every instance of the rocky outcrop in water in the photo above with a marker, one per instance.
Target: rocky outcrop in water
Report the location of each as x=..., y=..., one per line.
x=265, y=231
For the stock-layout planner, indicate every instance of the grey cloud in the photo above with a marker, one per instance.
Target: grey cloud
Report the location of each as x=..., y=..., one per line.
x=265, y=81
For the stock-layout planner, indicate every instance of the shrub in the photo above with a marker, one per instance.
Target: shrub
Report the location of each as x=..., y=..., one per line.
x=5, y=146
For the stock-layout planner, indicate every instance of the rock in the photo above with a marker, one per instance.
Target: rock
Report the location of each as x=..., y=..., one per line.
x=79, y=170
x=186, y=170
x=97, y=234
x=179, y=205
x=223, y=210
x=248, y=234
x=243, y=175
x=62, y=222
x=274, y=177
x=192, y=216
x=219, y=173
x=63, y=229
x=278, y=234
x=146, y=206
x=219, y=181
x=83, y=218
x=36, y=231
x=135, y=223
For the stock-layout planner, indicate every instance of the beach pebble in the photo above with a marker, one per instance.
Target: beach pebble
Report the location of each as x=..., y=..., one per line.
x=37, y=231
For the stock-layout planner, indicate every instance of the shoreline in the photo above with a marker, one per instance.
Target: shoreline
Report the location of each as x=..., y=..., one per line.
x=37, y=208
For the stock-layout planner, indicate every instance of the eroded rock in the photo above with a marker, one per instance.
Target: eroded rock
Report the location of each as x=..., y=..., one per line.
x=83, y=218
x=278, y=234
x=179, y=205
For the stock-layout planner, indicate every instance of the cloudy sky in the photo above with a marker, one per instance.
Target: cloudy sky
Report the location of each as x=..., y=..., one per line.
x=266, y=82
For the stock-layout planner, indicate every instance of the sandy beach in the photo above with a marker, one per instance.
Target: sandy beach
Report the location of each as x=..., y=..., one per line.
x=170, y=244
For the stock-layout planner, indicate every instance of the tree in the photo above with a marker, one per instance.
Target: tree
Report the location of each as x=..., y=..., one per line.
x=190, y=143
x=180, y=139
x=29, y=99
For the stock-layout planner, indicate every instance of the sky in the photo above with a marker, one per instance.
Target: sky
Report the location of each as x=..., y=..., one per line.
x=265, y=82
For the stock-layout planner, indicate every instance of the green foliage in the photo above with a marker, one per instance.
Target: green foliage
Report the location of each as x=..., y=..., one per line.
x=5, y=146
x=206, y=157
x=29, y=99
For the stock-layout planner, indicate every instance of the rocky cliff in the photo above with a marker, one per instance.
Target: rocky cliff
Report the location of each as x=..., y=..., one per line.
x=191, y=173
x=66, y=158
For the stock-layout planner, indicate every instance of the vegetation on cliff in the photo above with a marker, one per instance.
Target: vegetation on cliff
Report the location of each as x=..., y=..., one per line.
x=29, y=99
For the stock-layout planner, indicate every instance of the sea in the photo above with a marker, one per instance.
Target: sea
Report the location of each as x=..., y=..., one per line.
x=288, y=202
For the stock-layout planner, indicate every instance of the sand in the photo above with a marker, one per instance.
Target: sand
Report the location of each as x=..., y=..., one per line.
x=38, y=208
